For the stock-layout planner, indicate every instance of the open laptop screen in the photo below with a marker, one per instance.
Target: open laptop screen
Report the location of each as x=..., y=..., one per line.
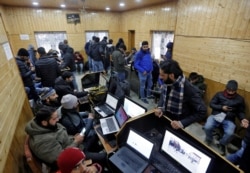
x=133, y=109
x=121, y=116
x=140, y=144
x=185, y=154
x=111, y=101
x=102, y=80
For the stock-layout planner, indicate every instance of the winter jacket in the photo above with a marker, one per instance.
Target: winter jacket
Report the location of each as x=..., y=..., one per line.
x=47, y=144
x=48, y=70
x=118, y=61
x=62, y=88
x=143, y=61
x=25, y=72
x=69, y=59
x=193, y=106
x=237, y=103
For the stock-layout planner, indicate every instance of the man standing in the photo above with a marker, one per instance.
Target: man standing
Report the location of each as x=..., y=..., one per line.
x=144, y=65
x=118, y=58
x=226, y=106
x=26, y=73
x=179, y=100
x=46, y=68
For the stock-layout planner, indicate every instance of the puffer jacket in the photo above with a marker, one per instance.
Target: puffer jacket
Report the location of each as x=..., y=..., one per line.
x=237, y=103
x=25, y=72
x=143, y=61
x=118, y=60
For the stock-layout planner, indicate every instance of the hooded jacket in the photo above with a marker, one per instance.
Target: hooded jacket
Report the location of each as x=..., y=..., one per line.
x=47, y=144
x=143, y=61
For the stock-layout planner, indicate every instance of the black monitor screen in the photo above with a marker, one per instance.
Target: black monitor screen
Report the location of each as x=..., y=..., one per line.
x=90, y=80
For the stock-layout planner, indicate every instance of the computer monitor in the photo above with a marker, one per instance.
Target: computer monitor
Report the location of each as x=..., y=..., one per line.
x=90, y=80
x=193, y=159
x=132, y=108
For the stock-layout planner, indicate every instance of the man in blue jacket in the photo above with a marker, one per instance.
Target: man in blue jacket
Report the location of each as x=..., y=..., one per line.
x=144, y=65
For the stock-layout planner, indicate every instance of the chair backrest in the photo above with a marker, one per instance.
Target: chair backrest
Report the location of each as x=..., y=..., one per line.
x=34, y=164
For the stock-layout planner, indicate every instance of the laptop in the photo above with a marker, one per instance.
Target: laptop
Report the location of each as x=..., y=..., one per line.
x=180, y=156
x=134, y=156
x=96, y=80
x=114, y=123
x=133, y=108
x=109, y=107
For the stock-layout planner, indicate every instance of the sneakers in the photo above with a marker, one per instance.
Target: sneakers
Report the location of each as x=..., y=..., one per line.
x=222, y=149
x=144, y=100
x=151, y=97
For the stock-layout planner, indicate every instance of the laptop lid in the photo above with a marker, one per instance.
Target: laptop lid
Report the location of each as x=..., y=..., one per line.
x=90, y=80
x=185, y=154
x=132, y=108
x=121, y=116
x=140, y=144
x=102, y=80
x=111, y=101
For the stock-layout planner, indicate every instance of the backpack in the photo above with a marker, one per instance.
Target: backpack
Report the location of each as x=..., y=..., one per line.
x=97, y=95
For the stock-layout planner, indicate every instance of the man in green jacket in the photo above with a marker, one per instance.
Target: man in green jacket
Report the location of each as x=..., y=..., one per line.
x=49, y=138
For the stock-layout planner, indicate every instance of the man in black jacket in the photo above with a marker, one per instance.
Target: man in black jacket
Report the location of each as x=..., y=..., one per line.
x=46, y=68
x=64, y=85
x=226, y=106
x=26, y=72
x=179, y=100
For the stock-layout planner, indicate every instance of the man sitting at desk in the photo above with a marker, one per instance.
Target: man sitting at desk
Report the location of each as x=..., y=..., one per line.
x=179, y=100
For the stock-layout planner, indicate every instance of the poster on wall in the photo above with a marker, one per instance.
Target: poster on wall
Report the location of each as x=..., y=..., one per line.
x=7, y=50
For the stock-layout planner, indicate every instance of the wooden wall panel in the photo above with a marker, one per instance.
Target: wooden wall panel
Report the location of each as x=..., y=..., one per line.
x=216, y=18
x=28, y=21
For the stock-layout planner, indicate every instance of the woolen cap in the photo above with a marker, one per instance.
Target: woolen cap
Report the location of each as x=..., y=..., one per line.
x=69, y=158
x=69, y=101
x=46, y=92
x=232, y=85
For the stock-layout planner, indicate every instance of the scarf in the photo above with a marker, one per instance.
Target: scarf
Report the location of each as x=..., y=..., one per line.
x=175, y=98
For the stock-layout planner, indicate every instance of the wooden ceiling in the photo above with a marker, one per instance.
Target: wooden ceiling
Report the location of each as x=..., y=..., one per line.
x=88, y=5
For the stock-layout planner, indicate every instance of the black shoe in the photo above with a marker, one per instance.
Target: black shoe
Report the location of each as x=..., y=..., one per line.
x=144, y=100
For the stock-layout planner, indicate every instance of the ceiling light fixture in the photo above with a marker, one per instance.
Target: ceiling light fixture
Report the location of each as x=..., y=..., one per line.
x=63, y=5
x=107, y=8
x=35, y=3
x=122, y=4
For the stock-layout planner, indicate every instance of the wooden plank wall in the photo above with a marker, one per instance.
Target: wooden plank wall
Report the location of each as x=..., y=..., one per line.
x=211, y=37
x=14, y=110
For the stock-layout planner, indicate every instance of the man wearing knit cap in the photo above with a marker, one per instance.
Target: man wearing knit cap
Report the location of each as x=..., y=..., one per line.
x=226, y=106
x=49, y=97
x=71, y=160
x=26, y=73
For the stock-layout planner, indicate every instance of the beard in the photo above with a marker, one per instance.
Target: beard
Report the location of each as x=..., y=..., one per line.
x=52, y=127
x=168, y=81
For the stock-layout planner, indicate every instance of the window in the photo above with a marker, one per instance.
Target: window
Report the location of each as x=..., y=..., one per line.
x=50, y=40
x=100, y=34
x=159, y=41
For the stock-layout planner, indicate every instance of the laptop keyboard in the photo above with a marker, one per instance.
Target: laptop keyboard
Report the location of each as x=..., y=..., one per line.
x=128, y=158
x=106, y=110
x=110, y=124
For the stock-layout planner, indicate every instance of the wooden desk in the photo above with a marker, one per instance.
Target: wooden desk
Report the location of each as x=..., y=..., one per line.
x=105, y=144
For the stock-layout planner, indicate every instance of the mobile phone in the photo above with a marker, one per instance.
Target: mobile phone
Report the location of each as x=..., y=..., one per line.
x=229, y=107
x=83, y=131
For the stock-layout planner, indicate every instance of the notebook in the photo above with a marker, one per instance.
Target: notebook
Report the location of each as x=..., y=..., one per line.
x=134, y=156
x=114, y=123
x=132, y=108
x=109, y=107
x=186, y=157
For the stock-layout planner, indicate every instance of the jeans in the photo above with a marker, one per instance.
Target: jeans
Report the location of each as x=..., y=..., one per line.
x=97, y=66
x=121, y=76
x=74, y=82
x=145, y=84
x=90, y=63
x=235, y=157
x=79, y=67
x=228, y=128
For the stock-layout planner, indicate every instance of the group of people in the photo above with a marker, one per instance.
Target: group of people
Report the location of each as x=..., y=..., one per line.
x=180, y=100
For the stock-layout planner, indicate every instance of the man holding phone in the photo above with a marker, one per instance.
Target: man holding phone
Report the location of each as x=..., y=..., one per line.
x=226, y=106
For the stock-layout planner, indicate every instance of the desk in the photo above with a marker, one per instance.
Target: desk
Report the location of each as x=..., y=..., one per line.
x=149, y=121
x=105, y=144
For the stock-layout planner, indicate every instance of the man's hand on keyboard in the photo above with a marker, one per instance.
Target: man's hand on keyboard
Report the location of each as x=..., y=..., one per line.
x=91, y=116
